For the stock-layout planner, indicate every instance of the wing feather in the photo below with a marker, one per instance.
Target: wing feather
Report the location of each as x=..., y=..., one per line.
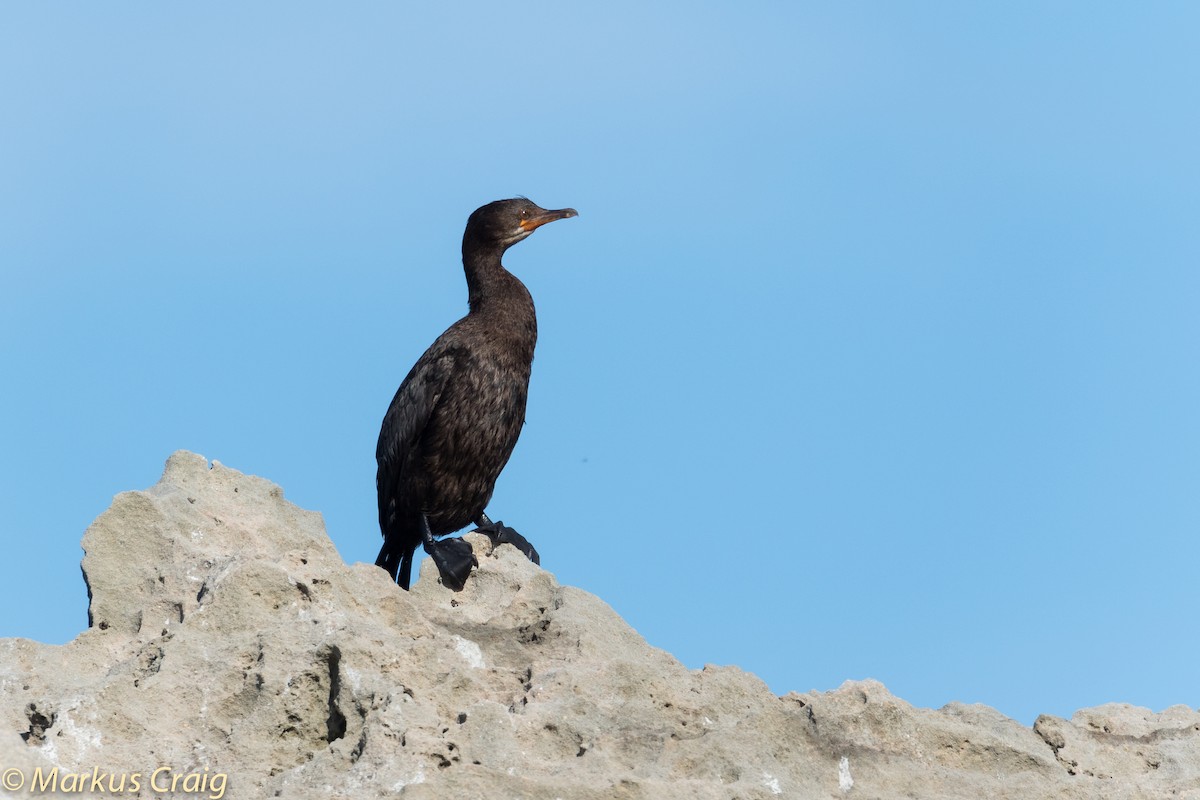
x=405, y=423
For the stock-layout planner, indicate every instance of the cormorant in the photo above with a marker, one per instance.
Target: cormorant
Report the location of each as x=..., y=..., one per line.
x=456, y=417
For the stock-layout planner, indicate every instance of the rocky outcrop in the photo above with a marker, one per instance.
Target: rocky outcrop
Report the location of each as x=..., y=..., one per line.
x=232, y=652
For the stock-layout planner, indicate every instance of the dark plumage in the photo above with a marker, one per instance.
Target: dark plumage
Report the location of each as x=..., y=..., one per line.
x=456, y=417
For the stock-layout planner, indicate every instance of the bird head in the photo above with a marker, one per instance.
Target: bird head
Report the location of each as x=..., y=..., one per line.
x=506, y=222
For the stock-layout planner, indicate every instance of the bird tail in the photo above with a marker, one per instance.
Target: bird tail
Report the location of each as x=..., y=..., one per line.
x=397, y=561
x=405, y=569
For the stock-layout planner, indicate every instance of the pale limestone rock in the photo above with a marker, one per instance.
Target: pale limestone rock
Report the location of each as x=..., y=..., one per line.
x=229, y=639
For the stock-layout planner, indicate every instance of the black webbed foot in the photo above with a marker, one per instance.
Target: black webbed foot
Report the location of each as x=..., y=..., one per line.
x=500, y=533
x=454, y=559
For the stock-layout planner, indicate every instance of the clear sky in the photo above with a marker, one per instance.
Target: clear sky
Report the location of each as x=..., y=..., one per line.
x=872, y=353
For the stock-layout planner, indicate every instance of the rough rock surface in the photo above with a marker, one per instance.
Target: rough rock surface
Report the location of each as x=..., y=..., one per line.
x=233, y=650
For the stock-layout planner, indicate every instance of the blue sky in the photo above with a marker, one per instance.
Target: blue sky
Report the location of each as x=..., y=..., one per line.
x=872, y=352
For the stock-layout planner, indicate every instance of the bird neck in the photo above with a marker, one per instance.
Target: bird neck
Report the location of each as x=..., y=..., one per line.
x=489, y=284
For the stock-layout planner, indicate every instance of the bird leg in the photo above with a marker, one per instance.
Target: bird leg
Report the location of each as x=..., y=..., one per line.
x=453, y=557
x=500, y=533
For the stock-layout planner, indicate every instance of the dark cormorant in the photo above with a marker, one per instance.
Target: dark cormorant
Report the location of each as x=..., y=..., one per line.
x=456, y=417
